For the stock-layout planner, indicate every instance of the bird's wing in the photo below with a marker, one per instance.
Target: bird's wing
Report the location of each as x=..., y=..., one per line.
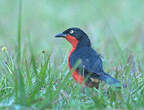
x=90, y=61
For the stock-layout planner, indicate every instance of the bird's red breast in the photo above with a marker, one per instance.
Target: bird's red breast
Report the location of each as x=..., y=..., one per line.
x=78, y=78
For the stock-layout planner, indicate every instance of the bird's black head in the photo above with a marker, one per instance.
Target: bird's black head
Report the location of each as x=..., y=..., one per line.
x=76, y=32
x=76, y=37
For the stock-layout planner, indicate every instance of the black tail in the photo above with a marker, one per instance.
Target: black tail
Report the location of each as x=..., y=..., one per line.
x=110, y=80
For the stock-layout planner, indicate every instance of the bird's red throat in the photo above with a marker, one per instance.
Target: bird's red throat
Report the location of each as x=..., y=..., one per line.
x=72, y=40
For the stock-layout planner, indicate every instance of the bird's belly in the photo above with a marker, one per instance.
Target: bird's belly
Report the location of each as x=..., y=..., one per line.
x=90, y=82
x=78, y=78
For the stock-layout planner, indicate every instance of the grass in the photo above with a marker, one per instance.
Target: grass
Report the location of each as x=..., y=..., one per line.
x=33, y=65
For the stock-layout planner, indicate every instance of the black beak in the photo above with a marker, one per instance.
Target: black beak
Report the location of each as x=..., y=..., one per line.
x=60, y=35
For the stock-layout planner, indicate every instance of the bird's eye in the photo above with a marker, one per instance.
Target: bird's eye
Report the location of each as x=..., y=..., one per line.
x=71, y=32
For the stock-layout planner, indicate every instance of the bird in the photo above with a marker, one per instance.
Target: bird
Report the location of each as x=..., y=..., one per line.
x=89, y=71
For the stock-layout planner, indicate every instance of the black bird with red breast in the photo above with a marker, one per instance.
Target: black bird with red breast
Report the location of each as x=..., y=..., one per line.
x=90, y=68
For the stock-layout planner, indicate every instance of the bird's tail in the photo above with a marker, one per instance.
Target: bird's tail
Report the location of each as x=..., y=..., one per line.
x=110, y=80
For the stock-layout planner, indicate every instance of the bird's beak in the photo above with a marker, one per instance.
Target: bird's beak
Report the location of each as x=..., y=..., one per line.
x=60, y=35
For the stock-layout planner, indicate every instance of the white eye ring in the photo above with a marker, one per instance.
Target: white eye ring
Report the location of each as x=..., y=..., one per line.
x=71, y=31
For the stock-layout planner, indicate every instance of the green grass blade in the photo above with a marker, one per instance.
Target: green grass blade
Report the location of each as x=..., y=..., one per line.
x=19, y=31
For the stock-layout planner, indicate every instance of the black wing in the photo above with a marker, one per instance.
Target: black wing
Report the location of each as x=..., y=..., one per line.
x=90, y=61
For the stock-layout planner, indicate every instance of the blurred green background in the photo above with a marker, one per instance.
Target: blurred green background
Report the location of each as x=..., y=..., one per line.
x=102, y=20
x=115, y=27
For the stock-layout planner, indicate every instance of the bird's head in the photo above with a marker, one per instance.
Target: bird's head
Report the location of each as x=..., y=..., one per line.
x=76, y=37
